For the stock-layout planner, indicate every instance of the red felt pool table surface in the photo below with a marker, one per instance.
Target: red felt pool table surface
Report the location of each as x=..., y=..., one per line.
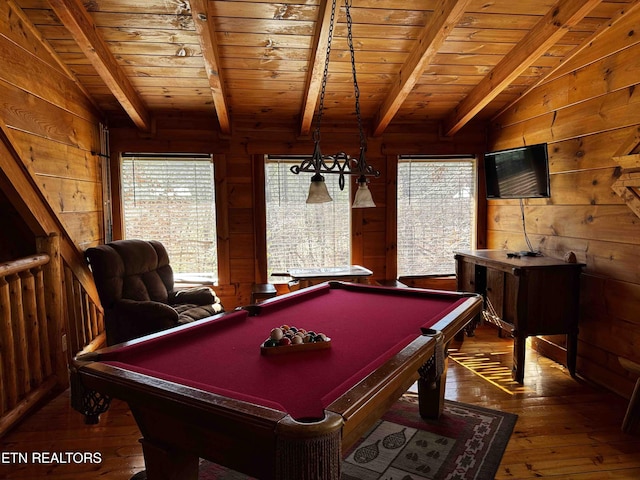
x=367, y=325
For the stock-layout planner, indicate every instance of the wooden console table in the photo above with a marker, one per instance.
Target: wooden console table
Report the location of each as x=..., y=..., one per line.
x=524, y=295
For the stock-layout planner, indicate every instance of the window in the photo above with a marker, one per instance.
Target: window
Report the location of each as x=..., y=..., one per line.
x=301, y=235
x=436, y=213
x=171, y=199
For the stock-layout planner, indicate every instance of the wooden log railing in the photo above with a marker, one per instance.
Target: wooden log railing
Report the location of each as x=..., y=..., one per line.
x=85, y=317
x=46, y=317
x=25, y=345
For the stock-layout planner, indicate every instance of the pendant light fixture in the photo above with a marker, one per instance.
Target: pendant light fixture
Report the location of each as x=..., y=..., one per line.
x=340, y=163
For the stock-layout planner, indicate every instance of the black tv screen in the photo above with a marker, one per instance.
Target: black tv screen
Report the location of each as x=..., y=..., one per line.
x=518, y=172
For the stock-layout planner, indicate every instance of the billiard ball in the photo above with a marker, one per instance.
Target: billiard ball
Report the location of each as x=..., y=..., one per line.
x=276, y=334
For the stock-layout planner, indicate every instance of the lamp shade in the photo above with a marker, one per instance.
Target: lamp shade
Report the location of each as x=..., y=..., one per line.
x=363, y=197
x=318, y=192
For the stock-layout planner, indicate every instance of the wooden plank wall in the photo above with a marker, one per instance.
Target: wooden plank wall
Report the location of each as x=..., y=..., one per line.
x=53, y=124
x=588, y=112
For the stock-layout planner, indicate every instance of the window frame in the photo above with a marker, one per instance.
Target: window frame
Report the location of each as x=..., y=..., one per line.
x=215, y=278
x=475, y=208
x=303, y=179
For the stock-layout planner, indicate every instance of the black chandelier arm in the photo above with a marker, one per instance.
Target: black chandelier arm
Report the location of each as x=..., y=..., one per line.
x=305, y=166
x=368, y=171
x=363, y=166
x=338, y=164
x=310, y=164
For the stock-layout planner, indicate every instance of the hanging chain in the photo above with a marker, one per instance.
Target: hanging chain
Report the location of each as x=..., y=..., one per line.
x=356, y=89
x=325, y=73
x=340, y=163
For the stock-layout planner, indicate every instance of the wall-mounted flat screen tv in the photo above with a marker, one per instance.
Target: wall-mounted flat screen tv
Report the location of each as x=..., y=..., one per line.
x=518, y=172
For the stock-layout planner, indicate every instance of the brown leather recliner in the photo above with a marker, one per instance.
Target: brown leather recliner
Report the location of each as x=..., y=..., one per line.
x=135, y=284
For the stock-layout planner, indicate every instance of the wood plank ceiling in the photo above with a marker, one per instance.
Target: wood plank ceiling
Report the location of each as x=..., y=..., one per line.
x=417, y=60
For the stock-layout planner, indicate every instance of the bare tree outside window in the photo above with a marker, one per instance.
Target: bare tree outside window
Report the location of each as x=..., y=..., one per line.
x=300, y=235
x=172, y=199
x=436, y=213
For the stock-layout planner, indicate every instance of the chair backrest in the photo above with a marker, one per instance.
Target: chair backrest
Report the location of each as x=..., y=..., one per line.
x=131, y=269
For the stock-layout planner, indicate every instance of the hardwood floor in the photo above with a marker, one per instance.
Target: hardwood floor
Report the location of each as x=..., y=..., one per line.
x=567, y=429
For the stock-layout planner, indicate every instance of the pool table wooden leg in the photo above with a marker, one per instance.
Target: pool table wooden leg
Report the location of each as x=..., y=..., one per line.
x=431, y=394
x=167, y=463
x=87, y=401
x=312, y=454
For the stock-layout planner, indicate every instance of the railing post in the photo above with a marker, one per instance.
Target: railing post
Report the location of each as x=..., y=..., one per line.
x=54, y=299
x=19, y=333
x=32, y=327
x=8, y=380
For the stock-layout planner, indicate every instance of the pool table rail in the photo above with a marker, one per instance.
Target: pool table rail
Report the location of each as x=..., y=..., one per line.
x=175, y=419
x=370, y=398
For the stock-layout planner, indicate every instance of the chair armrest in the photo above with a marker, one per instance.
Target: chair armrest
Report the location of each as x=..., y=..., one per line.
x=149, y=313
x=128, y=319
x=193, y=296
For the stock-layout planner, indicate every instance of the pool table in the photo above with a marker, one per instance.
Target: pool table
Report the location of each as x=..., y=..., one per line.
x=208, y=390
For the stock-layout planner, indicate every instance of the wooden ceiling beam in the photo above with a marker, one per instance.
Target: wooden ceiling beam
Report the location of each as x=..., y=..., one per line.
x=620, y=15
x=553, y=26
x=84, y=31
x=207, y=36
x=316, y=66
x=444, y=18
x=630, y=145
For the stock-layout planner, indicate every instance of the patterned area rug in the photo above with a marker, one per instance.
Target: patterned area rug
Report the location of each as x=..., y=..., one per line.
x=466, y=443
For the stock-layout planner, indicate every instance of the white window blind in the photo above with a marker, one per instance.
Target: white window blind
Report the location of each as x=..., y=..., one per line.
x=436, y=213
x=301, y=235
x=172, y=199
